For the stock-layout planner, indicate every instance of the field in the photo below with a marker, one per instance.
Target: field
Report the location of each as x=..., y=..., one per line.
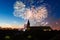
x=29, y=35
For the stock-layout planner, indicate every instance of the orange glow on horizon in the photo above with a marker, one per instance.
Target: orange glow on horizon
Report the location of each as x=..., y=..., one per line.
x=12, y=26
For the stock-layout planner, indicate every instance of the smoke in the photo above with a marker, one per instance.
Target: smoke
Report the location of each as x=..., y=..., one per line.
x=36, y=16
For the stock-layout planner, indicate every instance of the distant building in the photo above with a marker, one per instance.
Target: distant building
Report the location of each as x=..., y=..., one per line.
x=28, y=24
x=41, y=28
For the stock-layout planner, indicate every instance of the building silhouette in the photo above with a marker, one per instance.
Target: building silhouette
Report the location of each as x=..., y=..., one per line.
x=41, y=28
x=28, y=24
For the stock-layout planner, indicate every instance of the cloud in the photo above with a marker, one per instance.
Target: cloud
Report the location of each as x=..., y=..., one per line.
x=35, y=15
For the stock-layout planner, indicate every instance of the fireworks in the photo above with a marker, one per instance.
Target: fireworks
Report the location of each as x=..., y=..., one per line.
x=35, y=15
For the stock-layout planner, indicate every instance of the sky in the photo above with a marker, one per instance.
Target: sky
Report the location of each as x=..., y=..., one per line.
x=10, y=14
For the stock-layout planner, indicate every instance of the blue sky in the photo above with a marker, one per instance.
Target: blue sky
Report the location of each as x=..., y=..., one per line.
x=6, y=10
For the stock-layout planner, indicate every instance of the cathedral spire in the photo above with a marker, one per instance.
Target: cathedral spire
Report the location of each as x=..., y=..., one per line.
x=28, y=24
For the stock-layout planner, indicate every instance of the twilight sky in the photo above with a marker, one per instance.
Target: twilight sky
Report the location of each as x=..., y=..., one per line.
x=8, y=17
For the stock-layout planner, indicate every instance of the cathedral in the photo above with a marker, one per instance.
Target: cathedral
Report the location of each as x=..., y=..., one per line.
x=41, y=28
